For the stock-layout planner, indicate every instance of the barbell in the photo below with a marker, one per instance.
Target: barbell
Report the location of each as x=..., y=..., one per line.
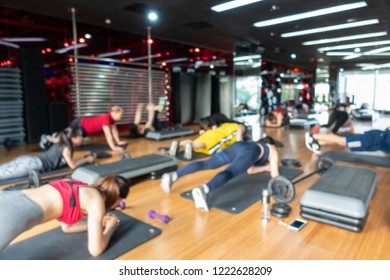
x=282, y=189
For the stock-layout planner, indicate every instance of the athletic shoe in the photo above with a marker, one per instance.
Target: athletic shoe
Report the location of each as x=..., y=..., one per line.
x=173, y=148
x=200, y=198
x=312, y=144
x=188, y=151
x=44, y=142
x=167, y=180
x=34, y=179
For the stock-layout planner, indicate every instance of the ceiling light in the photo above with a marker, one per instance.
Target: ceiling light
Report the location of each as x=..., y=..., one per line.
x=352, y=56
x=344, y=38
x=352, y=53
x=181, y=59
x=330, y=28
x=339, y=53
x=8, y=44
x=376, y=51
x=152, y=16
x=24, y=39
x=72, y=47
x=372, y=52
x=352, y=46
x=232, y=5
x=108, y=54
x=311, y=14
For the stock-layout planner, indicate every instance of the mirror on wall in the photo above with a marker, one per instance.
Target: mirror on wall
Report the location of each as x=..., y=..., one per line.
x=247, y=61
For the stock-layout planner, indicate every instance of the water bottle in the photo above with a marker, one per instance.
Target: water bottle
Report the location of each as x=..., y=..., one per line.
x=265, y=212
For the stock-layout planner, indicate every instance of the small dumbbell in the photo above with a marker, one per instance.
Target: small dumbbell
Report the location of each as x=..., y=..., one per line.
x=163, y=218
x=121, y=205
x=125, y=156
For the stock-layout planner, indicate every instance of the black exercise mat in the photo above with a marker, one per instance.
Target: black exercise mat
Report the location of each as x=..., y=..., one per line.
x=358, y=158
x=195, y=156
x=56, y=245
x=242, y=191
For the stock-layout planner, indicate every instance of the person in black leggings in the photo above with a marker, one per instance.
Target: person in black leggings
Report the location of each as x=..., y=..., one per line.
x=339, y=118
x=250, y=157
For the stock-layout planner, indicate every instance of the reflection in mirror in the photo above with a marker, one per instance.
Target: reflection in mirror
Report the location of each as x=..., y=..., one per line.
x=247, y=85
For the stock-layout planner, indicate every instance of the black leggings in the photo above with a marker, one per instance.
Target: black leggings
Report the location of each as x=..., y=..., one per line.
x=240, y=155
x=338, y=118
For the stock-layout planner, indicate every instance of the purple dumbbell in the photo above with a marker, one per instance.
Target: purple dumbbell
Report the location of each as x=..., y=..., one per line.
x=163, y=218
x=122, y=204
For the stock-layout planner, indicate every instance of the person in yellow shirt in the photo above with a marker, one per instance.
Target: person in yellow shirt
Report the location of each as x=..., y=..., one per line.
x=210, y=141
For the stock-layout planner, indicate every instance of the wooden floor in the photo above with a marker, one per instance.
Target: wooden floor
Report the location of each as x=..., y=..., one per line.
x=195, y=235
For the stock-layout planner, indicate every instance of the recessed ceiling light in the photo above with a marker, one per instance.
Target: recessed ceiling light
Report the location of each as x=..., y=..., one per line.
x=232, y=5
x=330, y=28
x=316, y=13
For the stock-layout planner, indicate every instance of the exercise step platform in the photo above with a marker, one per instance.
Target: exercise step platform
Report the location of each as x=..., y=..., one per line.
x=166, y=134
x=341, y=197
x=128, y=168
x=303, y=122
x=358, y=157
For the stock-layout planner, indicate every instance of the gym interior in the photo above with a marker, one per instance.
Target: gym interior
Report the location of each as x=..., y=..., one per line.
x=61, y=63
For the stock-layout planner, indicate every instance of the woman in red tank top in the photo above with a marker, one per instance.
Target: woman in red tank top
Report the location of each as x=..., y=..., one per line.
x=67, y=201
